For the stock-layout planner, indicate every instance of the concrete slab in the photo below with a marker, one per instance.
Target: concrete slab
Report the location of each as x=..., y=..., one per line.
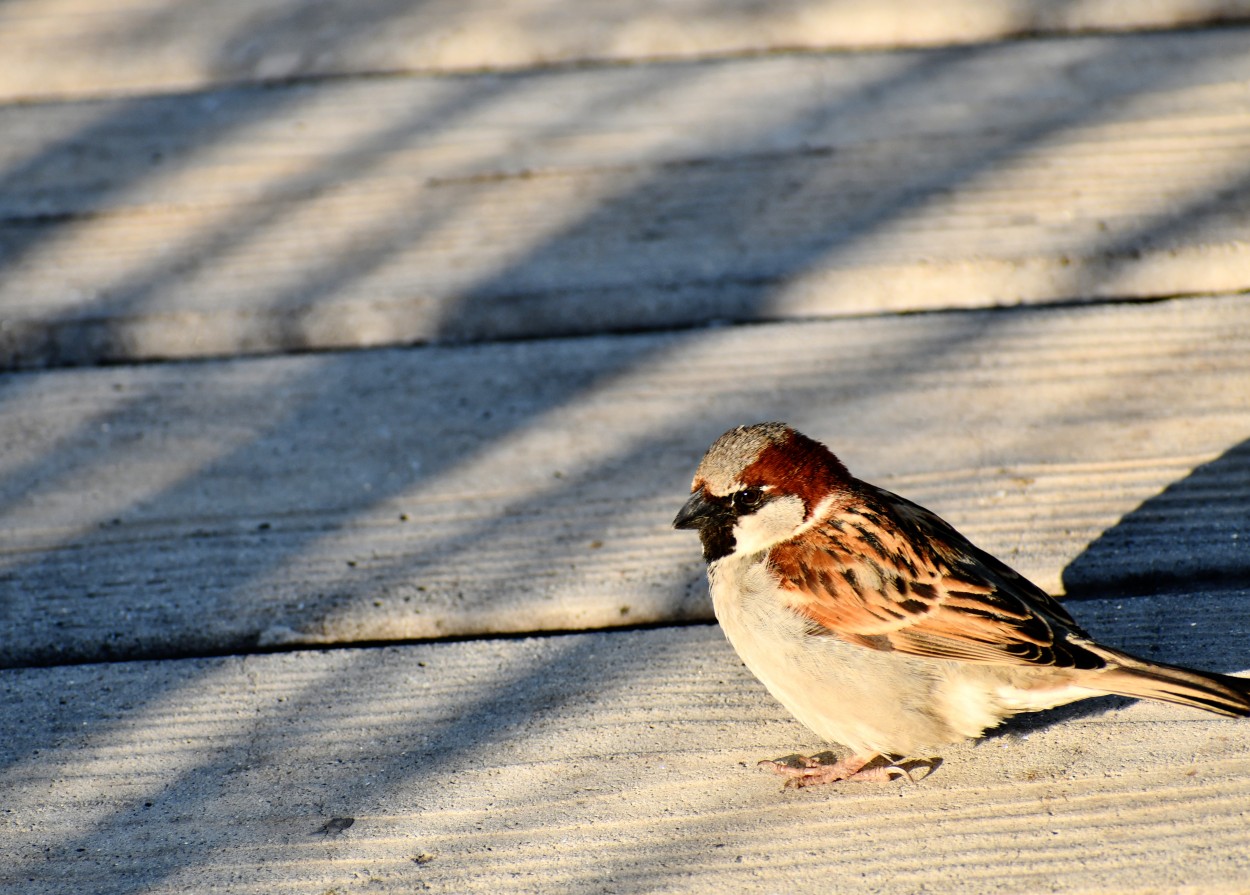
x=174, y=509
x=76, y=47
x=398, y=210
x=235, y=178
x=619, y=762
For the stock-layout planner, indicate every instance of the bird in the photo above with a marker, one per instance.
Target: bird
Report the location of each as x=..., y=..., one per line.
x=882, y=628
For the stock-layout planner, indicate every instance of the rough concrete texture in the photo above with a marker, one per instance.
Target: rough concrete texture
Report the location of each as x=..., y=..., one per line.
x=257, y=176
x=71, y=46
x=597, y=763
x=385, y=211
x=167, y=510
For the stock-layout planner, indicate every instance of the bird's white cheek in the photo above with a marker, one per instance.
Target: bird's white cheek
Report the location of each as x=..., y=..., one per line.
x=772, y=523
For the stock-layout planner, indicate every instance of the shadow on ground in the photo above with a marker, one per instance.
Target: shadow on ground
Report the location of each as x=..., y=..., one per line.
x=234, y=558
x=1194, y=535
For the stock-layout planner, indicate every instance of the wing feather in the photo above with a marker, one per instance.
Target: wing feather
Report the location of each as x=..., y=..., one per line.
x=888, y=574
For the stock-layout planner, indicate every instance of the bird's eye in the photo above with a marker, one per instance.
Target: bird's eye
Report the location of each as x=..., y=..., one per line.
x=748, y=499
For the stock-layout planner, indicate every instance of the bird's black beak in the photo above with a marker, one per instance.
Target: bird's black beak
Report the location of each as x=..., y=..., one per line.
x=696, y=512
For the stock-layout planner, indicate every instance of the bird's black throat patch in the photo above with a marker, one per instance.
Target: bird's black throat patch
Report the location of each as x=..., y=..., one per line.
x=717, y=537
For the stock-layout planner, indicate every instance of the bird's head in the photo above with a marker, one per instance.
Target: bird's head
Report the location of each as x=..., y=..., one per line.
x=758, y=486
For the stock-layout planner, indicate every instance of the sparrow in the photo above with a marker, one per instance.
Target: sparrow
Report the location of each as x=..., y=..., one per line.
x=881, y=627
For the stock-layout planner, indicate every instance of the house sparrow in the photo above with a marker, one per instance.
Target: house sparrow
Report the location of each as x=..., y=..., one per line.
x=878, y=625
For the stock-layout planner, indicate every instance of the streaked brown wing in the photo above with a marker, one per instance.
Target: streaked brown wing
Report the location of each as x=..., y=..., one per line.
x=888, y=574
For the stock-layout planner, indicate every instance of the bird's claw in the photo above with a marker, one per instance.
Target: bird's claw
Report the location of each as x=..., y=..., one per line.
x=805, y=770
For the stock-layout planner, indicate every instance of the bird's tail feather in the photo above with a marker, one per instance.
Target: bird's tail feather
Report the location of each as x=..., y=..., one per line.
x=1220, y=693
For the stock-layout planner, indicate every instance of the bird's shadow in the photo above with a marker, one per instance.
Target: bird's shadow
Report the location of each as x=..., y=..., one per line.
x=1191, y=536
x=1149, y=584
x=1032, y=722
